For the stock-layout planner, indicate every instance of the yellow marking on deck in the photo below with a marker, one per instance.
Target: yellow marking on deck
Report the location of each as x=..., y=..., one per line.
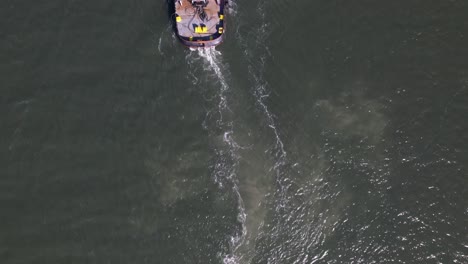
x=201, y=29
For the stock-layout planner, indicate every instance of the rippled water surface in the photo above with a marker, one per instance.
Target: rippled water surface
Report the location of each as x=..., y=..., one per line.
x=318, y=132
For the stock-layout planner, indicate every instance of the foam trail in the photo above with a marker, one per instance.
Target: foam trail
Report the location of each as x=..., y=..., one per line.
x=223, y=171
x=296, y=228
x=287, y=214
x=257, y=75
x=261, y=94
x=232, y=8
x=212, y=57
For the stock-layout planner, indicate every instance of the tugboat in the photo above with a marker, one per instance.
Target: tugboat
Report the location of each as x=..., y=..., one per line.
x=199, y=23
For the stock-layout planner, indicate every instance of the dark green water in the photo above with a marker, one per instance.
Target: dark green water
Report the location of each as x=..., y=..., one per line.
x=319, y=132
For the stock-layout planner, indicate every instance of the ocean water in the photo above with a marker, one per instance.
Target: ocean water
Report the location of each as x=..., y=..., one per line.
x=318, y=132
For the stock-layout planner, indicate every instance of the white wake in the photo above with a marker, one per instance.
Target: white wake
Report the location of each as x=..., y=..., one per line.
x=225, y=172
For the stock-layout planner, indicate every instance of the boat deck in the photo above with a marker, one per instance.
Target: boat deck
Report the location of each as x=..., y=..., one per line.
x=192, y=23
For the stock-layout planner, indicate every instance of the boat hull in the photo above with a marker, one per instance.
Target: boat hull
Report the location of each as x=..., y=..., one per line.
x=199, y=25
